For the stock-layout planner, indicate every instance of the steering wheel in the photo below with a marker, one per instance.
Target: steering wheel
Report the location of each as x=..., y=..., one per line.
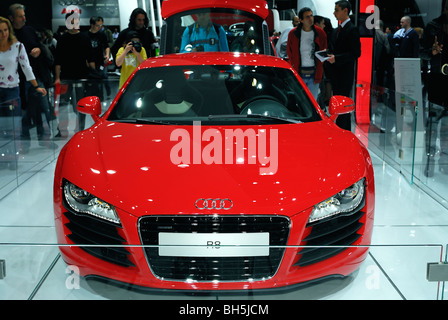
x=267, y=105
x=256, y=98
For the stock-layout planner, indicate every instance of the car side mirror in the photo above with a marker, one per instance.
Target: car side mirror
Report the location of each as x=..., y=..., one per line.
x=90, y=105
x=340, y=105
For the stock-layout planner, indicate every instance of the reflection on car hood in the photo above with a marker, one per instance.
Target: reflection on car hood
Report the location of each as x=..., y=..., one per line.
x=131, y=166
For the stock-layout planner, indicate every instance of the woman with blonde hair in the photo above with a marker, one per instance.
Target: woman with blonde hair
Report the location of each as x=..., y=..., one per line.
x=12, y=54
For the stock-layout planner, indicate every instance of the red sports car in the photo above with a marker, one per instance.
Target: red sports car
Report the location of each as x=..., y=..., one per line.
x=214, y=171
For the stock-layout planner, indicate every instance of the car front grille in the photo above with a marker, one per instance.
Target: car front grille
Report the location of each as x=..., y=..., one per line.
x=326, y=238
x=214, y=268
x=98, y=236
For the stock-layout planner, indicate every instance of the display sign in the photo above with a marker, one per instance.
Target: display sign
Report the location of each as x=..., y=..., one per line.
x=408, y=80
x=408, y=94
x=410, y=128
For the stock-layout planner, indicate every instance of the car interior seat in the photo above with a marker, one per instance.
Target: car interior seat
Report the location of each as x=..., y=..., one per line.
x=172, y=96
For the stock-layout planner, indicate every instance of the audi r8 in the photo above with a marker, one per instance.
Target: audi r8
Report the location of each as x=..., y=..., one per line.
x=214, y=171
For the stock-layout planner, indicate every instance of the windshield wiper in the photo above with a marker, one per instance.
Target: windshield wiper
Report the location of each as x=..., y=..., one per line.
x=252, y=115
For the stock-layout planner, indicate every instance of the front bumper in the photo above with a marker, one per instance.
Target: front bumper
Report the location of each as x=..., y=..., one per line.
x=298, y=252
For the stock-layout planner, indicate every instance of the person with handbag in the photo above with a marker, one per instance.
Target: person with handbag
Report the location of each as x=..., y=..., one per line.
x=32, y=102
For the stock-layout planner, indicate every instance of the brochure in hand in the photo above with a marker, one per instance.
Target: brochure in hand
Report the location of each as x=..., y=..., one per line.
x=322, y=55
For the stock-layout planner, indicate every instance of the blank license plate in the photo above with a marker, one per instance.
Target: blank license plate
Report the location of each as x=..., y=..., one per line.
x=214, y=244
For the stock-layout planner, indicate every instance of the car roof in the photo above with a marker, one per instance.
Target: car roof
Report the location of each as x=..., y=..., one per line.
x=214, y=58
x=171, y=7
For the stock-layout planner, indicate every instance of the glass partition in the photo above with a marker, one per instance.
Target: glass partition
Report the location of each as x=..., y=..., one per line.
x=29, y=142
x=419, y=154
x=426, y=18
x=431, y=166
x=392, y=132
x=34, y=264
x=38, y=271
x=9, y=126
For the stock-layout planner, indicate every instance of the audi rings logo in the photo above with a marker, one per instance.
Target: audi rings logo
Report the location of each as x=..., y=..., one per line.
x=213, y=204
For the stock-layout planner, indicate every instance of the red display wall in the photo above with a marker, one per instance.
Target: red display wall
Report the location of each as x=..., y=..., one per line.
x=364, y=72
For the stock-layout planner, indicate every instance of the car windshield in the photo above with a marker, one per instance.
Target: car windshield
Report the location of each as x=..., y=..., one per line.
x=217, y=30
x=218, y=94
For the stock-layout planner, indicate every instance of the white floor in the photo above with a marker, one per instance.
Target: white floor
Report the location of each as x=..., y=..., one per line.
x=411, y=229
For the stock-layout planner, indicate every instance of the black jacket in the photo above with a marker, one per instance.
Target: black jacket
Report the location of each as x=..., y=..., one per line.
x=27, y=35
x=437, y=82
x=433, y=29
x=345, y=45
x=409, y=45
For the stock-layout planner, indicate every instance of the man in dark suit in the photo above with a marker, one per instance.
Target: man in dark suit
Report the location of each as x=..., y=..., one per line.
x=344, y=51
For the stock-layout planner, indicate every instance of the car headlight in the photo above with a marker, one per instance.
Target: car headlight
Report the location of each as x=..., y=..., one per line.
x=345, y=201
x=83, y=202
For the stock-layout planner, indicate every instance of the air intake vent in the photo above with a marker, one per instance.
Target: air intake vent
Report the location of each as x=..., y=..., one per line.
x=214, y=268
x=90, y=231
x=341, y=231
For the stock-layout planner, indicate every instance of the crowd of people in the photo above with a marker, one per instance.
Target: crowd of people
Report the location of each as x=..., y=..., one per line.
x=72, y=62
x=79, y=60
x=339, y=48
x=334, y=76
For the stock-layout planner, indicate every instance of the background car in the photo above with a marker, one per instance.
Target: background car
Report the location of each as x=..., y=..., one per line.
x=214, y=171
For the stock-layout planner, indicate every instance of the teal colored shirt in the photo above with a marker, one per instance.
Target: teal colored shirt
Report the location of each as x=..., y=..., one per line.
x=208, y=38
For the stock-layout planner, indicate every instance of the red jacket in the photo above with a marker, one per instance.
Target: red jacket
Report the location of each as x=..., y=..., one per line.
x=293, y=49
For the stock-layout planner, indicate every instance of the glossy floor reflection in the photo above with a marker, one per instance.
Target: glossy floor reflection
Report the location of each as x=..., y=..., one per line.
x=411, y=229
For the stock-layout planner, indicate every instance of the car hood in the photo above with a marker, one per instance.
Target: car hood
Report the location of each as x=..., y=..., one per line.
x=135, y=167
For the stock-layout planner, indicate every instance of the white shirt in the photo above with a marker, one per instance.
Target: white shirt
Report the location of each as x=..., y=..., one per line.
x=9, y=66
x=402, y=33
x=345, y=22
x=307, y=48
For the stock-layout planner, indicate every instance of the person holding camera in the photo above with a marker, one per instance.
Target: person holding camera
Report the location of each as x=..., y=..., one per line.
x=204, y=35
x=138, y=22
x=130, y=56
